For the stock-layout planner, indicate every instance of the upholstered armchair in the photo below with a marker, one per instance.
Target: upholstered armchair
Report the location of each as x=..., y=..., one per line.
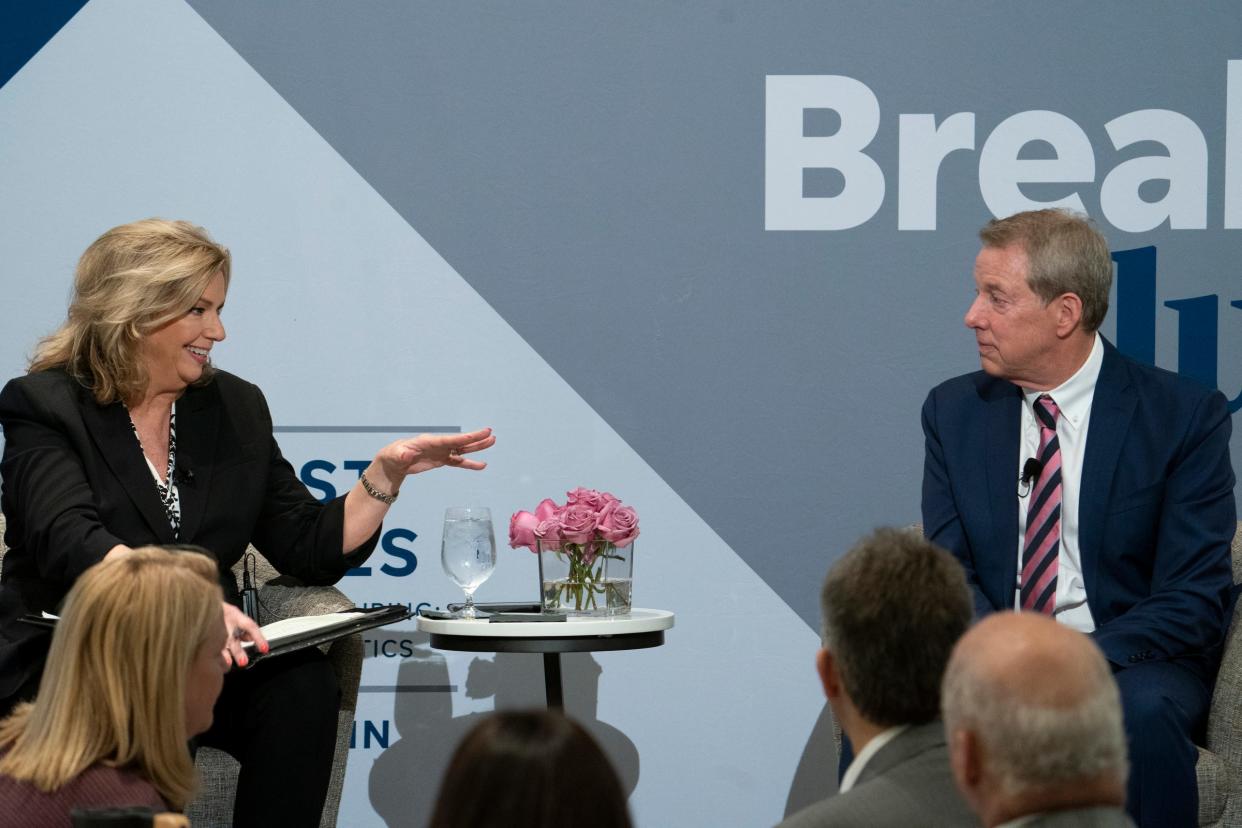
x=1220, y=759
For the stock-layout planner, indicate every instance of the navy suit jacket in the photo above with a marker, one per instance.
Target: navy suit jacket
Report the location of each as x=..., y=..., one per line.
x=1156, y=508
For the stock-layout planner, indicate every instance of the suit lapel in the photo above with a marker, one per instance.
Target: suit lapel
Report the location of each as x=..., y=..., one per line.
x=1004, y=425
x=198, y=419
x=110, y=428
x=1112, y=407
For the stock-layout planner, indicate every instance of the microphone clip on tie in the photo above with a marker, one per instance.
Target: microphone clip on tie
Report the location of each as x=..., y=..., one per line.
x=1030, y=473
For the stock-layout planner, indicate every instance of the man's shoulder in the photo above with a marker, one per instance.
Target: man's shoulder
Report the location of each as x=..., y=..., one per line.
x=1152, y=380
x=907, y=793
x=969, y=389
x=1098, y=817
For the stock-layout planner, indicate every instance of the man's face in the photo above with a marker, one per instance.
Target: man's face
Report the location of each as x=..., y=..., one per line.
x=1015, y=331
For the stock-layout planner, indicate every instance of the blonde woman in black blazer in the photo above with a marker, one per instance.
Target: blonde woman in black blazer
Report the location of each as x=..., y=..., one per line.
x=122, y=434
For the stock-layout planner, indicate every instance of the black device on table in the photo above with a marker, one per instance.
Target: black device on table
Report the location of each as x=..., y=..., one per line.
x=498, y=613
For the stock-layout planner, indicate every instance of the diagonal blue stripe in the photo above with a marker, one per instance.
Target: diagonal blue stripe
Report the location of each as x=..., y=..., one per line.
x=26, y=27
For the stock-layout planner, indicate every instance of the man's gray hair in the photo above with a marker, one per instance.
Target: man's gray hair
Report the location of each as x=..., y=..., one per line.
x=1033, y=746
x=1065, y=253
x=893, y=607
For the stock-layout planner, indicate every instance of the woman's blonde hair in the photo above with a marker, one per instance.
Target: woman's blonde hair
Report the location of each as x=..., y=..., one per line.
x=131, y=281
x=114, y=687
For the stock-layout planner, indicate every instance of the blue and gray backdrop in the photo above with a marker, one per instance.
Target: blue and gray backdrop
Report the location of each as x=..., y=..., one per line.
x=708, y=256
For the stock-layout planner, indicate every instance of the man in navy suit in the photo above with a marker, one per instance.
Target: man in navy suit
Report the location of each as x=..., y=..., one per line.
x=1071, y=480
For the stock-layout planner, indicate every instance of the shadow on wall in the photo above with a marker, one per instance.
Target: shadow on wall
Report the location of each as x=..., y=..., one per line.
x=816, y=776
x=406, y=777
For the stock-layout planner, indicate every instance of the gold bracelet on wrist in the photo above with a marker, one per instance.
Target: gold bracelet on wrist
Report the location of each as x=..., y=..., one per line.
x=388, y=499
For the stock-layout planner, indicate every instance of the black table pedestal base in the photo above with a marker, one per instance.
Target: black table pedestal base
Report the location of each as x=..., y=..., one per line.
x=551, y=647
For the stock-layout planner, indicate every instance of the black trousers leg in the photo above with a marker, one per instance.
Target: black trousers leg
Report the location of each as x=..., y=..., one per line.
x=278, y=719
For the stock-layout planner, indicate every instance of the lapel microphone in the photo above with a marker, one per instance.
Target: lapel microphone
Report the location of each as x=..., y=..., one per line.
x=183, y=473
x=1030, y=473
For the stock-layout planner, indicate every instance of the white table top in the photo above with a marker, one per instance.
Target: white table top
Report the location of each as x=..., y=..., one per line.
x=638, y=621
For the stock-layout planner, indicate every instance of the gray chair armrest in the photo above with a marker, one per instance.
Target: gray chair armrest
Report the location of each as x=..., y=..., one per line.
x=287, y=598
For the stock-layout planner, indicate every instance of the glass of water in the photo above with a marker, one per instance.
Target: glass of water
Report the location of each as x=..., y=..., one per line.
x=468, y=551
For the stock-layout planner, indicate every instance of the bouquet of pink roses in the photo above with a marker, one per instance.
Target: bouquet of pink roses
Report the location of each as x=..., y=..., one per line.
x=586, y=532
x=588, y=518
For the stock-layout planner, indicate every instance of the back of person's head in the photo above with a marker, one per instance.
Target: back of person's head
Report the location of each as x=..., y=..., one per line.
x=534, y=769
x=893, y=607
x=1033, y=715
x=114, y=688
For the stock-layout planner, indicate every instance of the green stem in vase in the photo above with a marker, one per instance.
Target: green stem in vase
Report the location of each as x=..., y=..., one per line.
x=585, y=581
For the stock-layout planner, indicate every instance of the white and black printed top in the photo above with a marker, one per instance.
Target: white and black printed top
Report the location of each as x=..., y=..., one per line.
x=167, y=491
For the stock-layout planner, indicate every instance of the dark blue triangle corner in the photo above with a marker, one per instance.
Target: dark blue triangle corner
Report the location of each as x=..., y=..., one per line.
x=26, y=26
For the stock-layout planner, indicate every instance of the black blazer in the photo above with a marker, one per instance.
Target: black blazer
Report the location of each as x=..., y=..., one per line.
x=75, y=484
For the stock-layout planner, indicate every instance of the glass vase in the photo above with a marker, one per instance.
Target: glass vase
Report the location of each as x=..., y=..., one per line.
x=593, y=578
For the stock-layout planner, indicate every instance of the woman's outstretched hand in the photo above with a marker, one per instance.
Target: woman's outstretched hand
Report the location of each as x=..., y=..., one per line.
x=413, y=455
x=368, y=501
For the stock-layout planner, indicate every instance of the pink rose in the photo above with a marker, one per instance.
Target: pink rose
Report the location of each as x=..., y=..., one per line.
x=546, y=509
x=522, y=530
x=549, y=530
x=578, y=523
x=590, y=498
x=618, y=524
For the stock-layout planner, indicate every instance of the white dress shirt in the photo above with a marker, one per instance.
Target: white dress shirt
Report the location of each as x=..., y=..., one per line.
x=1073, y=397
x=864, y=756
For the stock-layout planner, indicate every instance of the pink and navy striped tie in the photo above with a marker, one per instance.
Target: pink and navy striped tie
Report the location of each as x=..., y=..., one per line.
x=1043, y=517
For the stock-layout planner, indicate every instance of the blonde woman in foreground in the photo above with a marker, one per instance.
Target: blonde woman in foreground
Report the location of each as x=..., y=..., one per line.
x=134, y=669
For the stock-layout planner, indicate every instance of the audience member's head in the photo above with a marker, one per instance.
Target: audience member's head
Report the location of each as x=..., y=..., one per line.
x=134, y=670
x=534, y=769
x=1033, y=719
x=893, y=608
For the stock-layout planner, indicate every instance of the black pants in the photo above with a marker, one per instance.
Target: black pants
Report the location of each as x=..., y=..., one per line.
x=278, y=719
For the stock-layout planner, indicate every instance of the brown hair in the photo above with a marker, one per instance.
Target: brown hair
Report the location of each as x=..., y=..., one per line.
x=534, y=769
x=1065, y=254
x=893, y=607
x=132, y=280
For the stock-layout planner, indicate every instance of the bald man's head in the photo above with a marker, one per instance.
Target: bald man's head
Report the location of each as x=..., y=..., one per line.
x=1038, y=702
